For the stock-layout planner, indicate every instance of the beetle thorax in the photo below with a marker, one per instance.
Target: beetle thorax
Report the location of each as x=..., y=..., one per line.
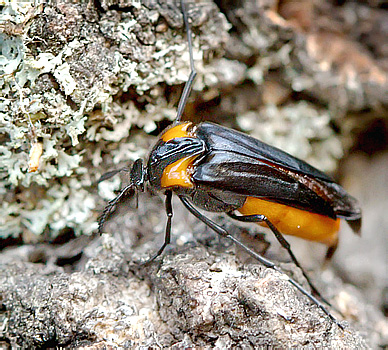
x=170, y=164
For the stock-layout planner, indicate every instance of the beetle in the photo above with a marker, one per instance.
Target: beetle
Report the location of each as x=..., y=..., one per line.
x=212, y=167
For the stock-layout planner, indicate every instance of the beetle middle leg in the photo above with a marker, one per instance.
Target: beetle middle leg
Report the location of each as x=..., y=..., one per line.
x=221, y=231
x=283, y=242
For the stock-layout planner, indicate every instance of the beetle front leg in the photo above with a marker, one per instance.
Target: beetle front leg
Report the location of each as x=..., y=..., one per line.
x=167, y=235
x=221, y=231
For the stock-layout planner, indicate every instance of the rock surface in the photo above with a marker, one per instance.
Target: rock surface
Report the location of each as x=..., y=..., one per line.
x=195, y=296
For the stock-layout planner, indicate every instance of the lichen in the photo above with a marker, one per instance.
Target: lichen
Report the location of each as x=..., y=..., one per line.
x=60, y=68
x=300, y=129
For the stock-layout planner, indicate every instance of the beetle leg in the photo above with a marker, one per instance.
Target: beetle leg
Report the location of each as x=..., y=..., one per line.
x=221, y=231
x=284, y=243
x=167, y=235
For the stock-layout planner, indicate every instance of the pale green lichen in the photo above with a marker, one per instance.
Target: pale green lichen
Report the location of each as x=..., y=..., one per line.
x=64, y=207
x=54, y=108
x=12, y=51
x=50, y=85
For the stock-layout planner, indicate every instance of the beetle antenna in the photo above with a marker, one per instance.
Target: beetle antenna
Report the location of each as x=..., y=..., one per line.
x=125, y=192
x=137, y=176
x=112, y=173
x=193, y=73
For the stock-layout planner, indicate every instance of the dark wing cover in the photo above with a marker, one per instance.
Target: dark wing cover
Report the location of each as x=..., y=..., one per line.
x=241, y=164
x=224, y=139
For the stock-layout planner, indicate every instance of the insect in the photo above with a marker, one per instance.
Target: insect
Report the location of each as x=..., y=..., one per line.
x=35, y=154
x=218, y=169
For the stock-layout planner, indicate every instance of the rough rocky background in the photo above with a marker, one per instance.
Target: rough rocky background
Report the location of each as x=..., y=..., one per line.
x=86, y=88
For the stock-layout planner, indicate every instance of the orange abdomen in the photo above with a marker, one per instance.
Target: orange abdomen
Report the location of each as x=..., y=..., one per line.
x=293, y=221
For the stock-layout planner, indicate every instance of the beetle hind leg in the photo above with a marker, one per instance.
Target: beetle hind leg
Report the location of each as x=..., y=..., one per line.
x=221, y=231
x=283, y=242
